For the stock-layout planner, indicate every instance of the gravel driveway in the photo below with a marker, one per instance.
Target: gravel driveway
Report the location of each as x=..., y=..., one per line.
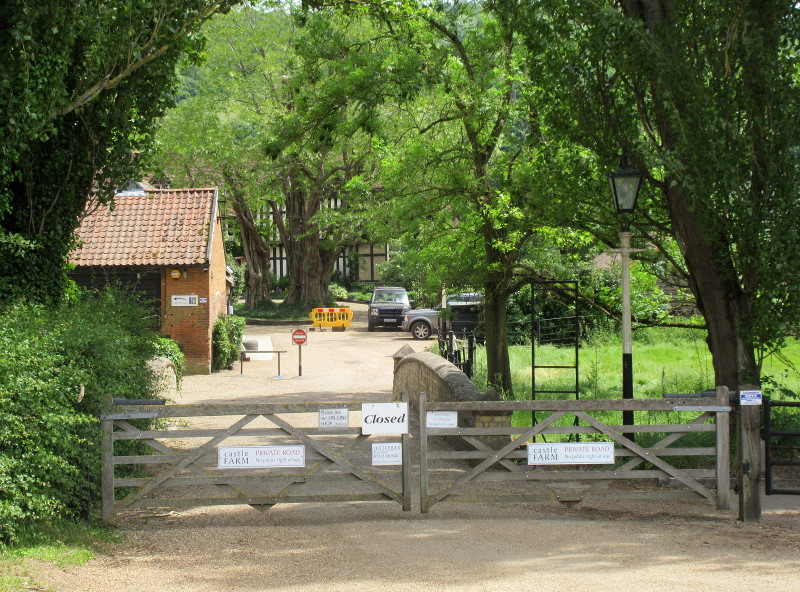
x=456, y=547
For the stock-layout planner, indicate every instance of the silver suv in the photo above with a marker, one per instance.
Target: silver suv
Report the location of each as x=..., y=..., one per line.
x=387, y=307
x=424, y=322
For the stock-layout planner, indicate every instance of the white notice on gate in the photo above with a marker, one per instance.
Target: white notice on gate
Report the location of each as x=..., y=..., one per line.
x=384, y=418
x=334, y=418
x=255, y=457
x=571, y=453
x=441, y=419
x=387, y=454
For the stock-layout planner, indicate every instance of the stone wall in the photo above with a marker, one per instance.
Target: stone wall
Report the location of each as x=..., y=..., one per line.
x=442, y=381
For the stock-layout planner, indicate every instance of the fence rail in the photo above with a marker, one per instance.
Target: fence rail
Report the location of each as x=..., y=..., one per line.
x=458, y=351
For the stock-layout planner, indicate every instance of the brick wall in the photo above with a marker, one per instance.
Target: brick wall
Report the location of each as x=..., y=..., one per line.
x=191, y=326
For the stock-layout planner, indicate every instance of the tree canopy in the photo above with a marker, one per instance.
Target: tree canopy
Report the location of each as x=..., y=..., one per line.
x=81, y=85
x=704, y=96
x=475, y=126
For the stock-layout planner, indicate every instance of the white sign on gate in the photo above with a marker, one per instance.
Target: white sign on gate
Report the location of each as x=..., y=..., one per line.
x=254, y=457
x=441, y=419
x=571, y=453
x=387, y=454
x=334, y=418
x=384, y=418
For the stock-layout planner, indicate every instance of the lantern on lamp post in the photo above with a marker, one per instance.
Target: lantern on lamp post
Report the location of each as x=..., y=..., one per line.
x=625, y=183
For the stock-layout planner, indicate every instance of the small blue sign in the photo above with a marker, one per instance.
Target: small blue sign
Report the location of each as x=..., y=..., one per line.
x=749, y=397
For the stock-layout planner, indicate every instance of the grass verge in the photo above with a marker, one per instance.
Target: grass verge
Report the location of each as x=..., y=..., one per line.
x=62, y=544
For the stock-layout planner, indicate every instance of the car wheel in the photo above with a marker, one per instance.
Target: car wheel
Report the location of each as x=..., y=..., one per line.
x=370, y=327
x=420, y=330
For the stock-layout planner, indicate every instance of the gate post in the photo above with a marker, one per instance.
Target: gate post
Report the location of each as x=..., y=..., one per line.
x=423, y=453
x=723, y=421
x=406, y=453
x=107, y=474
x=749, y=454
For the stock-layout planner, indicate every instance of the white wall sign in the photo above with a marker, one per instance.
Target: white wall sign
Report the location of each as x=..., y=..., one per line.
x=384, y=418
x=249, y=457
x=571, y=453
x=441, y=419
x=184, y=300
x=334, y=418
x=749, y=397
x=387, y=454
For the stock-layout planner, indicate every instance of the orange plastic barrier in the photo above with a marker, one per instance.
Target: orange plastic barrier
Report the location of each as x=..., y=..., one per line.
x=331, y=317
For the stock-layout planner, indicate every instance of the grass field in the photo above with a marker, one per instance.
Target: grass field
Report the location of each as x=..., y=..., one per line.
x=664, y=361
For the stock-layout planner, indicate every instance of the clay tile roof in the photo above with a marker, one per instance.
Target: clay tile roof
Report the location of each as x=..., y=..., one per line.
x=162, y=227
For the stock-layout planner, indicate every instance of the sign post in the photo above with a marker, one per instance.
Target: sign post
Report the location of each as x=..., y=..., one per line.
x=299, y=337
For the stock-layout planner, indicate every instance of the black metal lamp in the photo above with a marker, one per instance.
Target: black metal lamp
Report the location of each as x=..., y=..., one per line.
x=625, y=183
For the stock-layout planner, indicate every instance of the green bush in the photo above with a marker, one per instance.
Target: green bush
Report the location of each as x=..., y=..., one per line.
x=167, y=348
x=359, y=296
x=226, y=341
x=238, y=279
x=49, y=428
x=337, y=292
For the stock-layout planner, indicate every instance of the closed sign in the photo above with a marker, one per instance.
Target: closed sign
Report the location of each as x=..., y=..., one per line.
x=384, y=418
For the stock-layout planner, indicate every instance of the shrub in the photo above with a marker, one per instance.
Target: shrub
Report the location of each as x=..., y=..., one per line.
x=226, y=341
x=167, y=348
x=49, y=428
x=337, y=292
x=238, y=279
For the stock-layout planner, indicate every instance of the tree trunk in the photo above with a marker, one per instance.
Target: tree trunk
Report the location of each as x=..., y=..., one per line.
x=713, y=277
x=495, y=305
x=310, y=265
x=498, y=365
x=256, y=249
x=719, y=296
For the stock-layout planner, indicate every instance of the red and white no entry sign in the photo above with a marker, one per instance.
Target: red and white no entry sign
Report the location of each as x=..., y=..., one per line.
x=299, y=337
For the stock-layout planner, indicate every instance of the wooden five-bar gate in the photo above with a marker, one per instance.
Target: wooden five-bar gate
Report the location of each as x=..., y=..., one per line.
x=488, y=463
x=468, y=474
x=186, y=467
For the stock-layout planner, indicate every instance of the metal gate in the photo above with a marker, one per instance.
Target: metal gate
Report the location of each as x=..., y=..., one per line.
x=777, y=453
x=309, y=454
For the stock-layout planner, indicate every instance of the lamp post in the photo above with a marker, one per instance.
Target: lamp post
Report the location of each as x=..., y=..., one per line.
x=625, y=183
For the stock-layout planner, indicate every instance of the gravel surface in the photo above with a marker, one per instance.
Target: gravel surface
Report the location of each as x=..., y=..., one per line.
x=456, y=547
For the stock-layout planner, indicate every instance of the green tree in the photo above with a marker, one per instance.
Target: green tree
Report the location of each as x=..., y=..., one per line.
x=705, y=96
x=80, y=87
x=475, y=165
x=292, y=99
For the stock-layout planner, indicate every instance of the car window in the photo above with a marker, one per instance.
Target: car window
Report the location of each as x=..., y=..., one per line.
x=393, y=296
x=465, y=298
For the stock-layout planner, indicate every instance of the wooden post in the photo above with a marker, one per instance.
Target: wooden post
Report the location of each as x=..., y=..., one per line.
x=107, y=474
x=406, y=452
x=423, y=453
x=723, y=451
x=749, y=456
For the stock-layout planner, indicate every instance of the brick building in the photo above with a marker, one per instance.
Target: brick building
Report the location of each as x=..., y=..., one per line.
x=168, y=244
